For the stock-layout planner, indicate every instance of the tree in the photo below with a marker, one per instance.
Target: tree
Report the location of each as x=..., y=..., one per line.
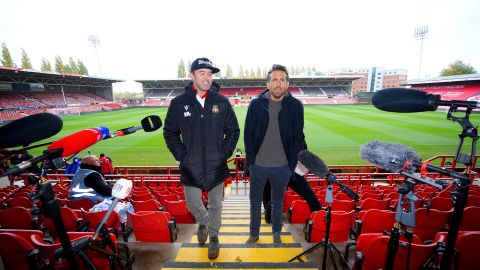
x=188, y=66
x=259, y=73
x=59, y=67
x=458, y=68
x=82, y=69
x=7, y=60
x=181, y=69
x=25, y=60
x=73, y=66
x=251, y=74
x=229, y=71
x=240, y=72
x=45, y=66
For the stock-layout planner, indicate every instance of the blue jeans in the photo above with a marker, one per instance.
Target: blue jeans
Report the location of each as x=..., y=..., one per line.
x=278, y=177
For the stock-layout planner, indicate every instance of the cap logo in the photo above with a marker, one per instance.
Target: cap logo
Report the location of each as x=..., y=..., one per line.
x=208, y=63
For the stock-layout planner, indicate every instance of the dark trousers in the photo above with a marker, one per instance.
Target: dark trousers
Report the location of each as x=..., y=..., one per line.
x=299, y=185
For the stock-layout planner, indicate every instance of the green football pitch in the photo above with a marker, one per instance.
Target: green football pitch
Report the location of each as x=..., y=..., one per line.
x=334, y=133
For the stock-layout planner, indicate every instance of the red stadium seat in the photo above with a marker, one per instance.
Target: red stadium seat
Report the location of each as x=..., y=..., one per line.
x=84, y=204
x=429, y=223
x=114, y=223
x=372, y=250
x=470, y=219
x=298, y=212
x=20, y=201
x=70, y=219
x=153, y=226
x=17, y=253
x=178, y=210
x=341, y=223
x=441, y=203
x=343, y=205
x=17, y=218
x=150, y=205
x=374, y=204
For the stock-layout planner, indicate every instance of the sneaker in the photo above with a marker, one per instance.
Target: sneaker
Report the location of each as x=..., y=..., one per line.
x=252, y=240
x=276, y=238
x=213, y=247
x=202, y=234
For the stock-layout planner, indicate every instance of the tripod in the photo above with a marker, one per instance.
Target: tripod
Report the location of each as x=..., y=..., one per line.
x=328, y=248
x=405, y=218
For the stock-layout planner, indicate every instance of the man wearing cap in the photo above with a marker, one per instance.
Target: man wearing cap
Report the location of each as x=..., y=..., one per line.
x=201, y=132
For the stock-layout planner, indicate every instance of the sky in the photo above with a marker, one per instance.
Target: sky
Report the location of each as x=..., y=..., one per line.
x=142, y=40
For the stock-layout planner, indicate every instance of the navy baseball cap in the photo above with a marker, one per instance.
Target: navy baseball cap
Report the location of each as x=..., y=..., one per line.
x=203, y=63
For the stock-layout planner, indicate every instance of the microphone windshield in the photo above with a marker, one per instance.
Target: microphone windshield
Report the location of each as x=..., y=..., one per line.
x=79, y=141
x=313, y=163
x=388, y=156
x=151, y=123
x=405, y=100
x=27, y=130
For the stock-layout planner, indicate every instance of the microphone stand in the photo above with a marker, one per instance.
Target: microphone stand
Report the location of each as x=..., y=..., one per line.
x=460, y=195
x=328, y=220
x=402, y=218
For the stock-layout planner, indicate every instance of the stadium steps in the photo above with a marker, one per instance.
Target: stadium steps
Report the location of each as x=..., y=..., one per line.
x=234, y=253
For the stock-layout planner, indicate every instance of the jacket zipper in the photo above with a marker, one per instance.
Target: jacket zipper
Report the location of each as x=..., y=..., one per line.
x=203, y=140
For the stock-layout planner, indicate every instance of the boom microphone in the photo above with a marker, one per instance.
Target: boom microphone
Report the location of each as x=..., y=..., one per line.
x=406, y=100
x=396, y=157
x=27, y=130
x=316, y=166
x=388, y=156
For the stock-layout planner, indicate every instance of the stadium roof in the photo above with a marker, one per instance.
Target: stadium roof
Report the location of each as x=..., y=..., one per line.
x=445, y=79
x=18, y=75
x=326, y=81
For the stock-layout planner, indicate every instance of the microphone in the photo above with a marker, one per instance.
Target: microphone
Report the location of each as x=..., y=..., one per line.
x=66, y=146
x=79, y=141
x=27, y=130
x=388, y=156
x=406, y=100
x=316, y=166
x=149, y=124
x=396, y=157
x=120, y=191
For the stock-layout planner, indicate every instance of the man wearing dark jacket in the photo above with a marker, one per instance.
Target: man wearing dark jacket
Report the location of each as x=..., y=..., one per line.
x=201, y=131
x=273, y=137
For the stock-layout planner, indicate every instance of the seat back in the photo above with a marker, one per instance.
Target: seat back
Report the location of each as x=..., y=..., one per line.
x=343, y=205
x=20, y=201
x=70, y=219
x=16, y=218
x=113, y=221
x=16, y=252
x=375, y=204
x=374, y=250
x=178, y=209
x=376, y=221
x=470, y=220
x=341, y=223
x=84, y=204
x=441, y=203
x=150, y=226
x=429, y=222
x=47, y=252
x=150, y=205
x=298, y=212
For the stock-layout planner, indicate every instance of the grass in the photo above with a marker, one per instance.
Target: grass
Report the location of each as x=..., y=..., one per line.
x=334, y=133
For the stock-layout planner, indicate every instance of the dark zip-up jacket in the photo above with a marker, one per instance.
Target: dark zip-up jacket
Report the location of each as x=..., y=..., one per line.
x=201, y=138
x=290, y=122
